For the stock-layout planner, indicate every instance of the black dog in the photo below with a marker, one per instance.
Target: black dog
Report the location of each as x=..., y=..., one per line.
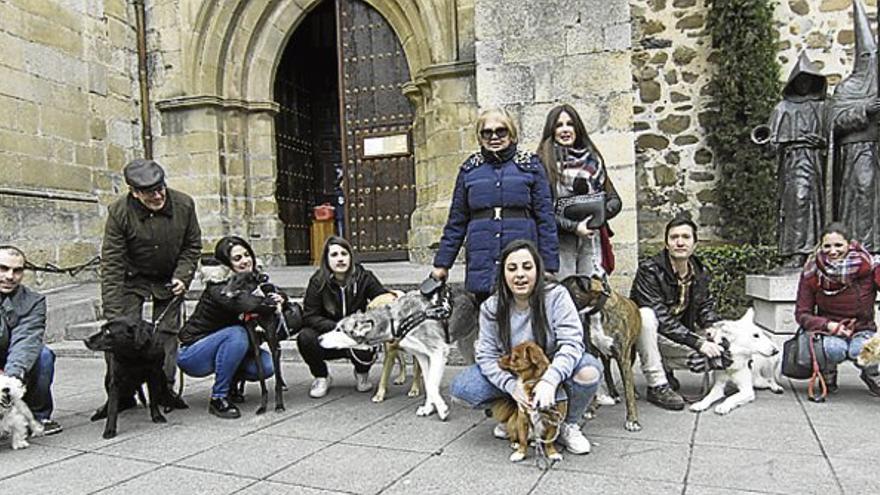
x=135, y=357
x=265, y=326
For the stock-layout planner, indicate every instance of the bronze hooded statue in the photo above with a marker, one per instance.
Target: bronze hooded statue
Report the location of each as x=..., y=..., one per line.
x=796, y=130
x=853, y=117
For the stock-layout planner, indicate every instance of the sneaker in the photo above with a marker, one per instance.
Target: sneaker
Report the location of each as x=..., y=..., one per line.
x=320, y=387
x=51, y=427
x=663, y=396
x=222, y=408
x=573, y=439
x=500, y=431
x=362, y=382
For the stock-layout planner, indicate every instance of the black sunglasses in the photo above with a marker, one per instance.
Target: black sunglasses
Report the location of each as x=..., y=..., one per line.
x=501, y=132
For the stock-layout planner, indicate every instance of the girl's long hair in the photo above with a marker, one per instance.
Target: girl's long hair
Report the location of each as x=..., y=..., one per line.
x=536, y=299
x=326, y=271
x=547, y=148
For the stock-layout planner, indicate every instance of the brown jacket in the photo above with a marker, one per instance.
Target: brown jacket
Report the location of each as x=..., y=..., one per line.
x=144, y=250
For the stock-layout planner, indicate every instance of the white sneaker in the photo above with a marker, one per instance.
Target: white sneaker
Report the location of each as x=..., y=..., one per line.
x=362, y=382
x=500, y=431
x=320, y=387
x=571, y=437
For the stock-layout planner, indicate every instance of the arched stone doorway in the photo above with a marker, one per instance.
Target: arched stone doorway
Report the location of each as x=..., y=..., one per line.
x=343, y=131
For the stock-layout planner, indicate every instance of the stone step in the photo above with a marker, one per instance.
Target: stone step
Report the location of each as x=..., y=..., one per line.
x=289, y=352
x=81, y=331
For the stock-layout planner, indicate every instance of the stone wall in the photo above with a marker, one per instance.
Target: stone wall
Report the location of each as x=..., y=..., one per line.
x=671, y=68
x=68, y=123
x=531, y=58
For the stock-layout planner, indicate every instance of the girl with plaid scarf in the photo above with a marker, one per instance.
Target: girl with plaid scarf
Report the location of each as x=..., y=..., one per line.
x=836, y=295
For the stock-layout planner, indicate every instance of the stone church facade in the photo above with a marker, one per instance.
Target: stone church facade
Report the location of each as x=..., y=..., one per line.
x=261, y=109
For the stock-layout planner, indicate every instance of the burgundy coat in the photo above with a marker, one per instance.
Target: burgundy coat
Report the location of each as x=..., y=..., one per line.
x=814, y=309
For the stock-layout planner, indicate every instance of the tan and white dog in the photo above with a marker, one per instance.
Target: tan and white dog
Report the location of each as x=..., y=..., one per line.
x=870, y=353
x=746, y=339
x=15, y=416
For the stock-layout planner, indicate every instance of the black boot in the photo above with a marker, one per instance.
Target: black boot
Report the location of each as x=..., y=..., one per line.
x=830, y=376
x=871, y=376
x=222, y=408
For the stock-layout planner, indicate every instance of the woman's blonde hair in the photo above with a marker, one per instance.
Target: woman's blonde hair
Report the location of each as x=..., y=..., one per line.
x=505, y=117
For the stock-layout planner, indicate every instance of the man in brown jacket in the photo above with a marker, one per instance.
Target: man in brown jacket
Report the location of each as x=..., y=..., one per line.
x=152, y=243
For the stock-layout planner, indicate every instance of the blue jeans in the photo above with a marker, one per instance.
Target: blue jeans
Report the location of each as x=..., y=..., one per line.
x=472, y=388
x=223, y=352
x=839, y=349
x=38, y=381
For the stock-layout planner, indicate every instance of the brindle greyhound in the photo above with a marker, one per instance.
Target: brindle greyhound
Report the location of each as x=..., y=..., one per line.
x=621, y=322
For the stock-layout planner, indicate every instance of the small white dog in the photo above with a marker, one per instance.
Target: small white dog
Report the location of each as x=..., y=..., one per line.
x=15, y=416
x=746, y=339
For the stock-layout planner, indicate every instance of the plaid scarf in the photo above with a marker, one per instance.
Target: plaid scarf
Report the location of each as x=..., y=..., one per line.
x=836, y=275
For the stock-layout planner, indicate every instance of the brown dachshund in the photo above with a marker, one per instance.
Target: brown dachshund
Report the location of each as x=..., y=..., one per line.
x=528, y=362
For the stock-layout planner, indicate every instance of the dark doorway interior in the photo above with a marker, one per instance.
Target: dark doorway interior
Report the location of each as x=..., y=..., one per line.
x=307, y=128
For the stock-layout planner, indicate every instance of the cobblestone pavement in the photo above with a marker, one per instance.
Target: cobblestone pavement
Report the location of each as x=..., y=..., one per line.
x=344, y=443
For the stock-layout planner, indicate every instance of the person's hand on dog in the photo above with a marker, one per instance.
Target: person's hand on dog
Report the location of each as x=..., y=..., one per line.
x=711, y=349
x=545, y=395
x=440, y=273
x=177, y=286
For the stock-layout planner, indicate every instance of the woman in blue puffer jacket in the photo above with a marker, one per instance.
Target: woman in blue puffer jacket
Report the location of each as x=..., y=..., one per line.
x=501, y=194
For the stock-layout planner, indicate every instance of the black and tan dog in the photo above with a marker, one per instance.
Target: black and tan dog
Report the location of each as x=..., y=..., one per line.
x=528, y=362
x=621, y=322
x=135, y=357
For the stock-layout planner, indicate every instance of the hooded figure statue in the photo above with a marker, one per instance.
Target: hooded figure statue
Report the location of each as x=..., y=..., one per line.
x=853, y=118
x=796, y=128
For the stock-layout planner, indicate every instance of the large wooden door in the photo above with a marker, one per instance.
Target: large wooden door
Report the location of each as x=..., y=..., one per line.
x=377, y=133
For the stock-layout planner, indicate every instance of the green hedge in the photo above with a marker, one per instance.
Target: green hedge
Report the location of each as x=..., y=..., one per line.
x=729, y=264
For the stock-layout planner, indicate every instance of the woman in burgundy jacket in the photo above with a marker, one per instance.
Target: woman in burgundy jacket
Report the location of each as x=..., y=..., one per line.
x=836, y=295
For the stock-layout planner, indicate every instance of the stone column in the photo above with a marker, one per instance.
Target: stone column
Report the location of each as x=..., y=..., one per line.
x=532, y=58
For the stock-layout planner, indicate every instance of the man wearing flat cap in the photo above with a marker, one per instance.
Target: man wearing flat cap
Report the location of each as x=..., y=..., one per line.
x=152, y=243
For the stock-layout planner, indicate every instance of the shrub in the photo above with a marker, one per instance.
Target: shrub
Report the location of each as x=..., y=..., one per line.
x=745, y=89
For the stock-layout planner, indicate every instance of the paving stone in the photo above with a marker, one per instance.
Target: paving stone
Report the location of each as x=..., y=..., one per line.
x=255, y=456
x=367, y=470
x=172, y=479
x=760, y=471
x=632, y=458
x=32, y=457
x=850, y=440
x=170, y=443
x=694, y=489
x=858, y=476
x=657, y=424
x=275, y=488
x=84, y=473
x=792, y=435
x=405, y=430
x=575, y=483
x=461, y=474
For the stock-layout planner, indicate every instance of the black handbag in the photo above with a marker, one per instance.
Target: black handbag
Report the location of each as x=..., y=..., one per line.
x=582, y=206
x=797, y=356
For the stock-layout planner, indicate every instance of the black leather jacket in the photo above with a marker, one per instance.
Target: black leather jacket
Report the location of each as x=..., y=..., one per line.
x=656, y=287
x=325, y=303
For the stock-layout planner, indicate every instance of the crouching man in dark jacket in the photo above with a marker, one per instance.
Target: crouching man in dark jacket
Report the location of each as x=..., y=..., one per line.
x=22, y=325
x=672, y=292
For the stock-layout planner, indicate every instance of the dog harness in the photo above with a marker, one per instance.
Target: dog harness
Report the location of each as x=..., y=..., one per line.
x=439, y=309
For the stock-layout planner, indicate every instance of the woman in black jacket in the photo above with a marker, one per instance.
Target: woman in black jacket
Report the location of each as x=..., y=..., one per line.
x=338, y=288
x=214, y=339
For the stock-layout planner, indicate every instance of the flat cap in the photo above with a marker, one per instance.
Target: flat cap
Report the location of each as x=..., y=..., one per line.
x=143, y=174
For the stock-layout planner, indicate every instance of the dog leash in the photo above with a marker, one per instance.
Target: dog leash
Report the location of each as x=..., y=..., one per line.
x=555, y=419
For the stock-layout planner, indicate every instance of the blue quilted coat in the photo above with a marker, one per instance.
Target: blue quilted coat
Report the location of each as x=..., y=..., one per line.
x=518, y=183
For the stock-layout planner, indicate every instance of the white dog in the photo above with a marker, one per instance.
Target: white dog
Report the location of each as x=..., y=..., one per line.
x=16, y=416
x=746, y=339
